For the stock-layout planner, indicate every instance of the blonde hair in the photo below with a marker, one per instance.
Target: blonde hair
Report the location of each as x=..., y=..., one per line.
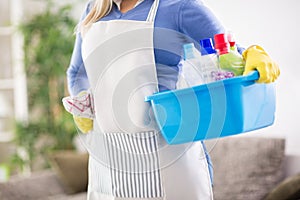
x=100, y=8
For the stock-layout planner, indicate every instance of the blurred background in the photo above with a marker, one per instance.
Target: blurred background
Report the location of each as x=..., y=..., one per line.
x=273, y=25
x=36, y=40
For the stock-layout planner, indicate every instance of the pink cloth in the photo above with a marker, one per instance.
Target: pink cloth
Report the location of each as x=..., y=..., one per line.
x=80, y=105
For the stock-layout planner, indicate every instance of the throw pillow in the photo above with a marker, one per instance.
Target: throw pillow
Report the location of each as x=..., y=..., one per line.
x=72, y=169
x=246, y=168
x=289, y=189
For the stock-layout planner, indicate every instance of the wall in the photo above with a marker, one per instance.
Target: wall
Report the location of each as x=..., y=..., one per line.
x=275, y=26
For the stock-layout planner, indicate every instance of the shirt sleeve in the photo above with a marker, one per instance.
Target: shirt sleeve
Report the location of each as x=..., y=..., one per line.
x=76, y=73
x=198, y=21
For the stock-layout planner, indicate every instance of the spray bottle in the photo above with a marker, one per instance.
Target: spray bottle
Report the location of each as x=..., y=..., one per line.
x=229, y=59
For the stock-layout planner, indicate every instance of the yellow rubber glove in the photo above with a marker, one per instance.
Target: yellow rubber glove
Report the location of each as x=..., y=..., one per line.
x=257, y=59
x=84, y=124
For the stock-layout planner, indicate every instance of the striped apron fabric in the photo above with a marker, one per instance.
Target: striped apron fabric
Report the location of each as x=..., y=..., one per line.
x=134, y=162
x=129, y=159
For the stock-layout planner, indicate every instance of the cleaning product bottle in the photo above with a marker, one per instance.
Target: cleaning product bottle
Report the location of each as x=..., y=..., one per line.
x=229, y=60
x=191, y=66
x=209, y=61
x=231, y=41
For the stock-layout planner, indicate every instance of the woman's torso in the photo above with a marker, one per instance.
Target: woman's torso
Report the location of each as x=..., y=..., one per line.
x=174, y=26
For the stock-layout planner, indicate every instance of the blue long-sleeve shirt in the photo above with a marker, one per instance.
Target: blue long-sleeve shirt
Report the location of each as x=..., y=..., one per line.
x=177, y=22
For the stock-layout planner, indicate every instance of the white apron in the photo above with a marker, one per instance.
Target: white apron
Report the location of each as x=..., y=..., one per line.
x=129, y=159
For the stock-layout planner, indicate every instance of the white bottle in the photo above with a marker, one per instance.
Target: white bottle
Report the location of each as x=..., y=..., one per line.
x=209, y=61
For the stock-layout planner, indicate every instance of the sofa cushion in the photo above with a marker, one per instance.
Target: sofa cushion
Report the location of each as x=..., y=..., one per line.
x=246, y=168
x=37, y=186
x=72, y=169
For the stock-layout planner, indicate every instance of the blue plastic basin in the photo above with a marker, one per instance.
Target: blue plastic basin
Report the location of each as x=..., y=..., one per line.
x=222, y=108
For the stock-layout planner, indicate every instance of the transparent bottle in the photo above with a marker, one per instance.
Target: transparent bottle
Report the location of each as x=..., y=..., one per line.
x=191, y=67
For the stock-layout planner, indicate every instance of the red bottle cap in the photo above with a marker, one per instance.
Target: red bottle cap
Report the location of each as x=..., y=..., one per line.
x=231, y=39
x=221, y=43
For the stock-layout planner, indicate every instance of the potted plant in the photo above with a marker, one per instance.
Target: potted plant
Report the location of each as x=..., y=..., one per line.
x=48, y=44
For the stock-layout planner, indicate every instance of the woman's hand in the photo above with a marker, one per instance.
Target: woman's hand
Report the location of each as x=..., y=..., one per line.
x=257, y=59
x=85, y=125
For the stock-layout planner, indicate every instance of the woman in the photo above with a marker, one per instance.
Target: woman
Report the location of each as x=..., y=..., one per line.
x=126, y=50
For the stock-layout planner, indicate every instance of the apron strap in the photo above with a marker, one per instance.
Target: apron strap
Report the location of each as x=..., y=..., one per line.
x=153, y=10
